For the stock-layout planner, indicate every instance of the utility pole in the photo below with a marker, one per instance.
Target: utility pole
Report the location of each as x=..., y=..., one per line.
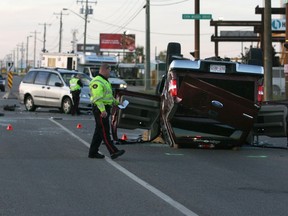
x=124, y=45
x=147, y=50
x=286, y=50
x=17, y=58
x=35, y=39
x=74, y=40
x=197, y=31
x=267, y=52
x=61, y=29
x=44, y=37
x=86, y=12
x=27, y=47
x=22, y=57
x=14, y=60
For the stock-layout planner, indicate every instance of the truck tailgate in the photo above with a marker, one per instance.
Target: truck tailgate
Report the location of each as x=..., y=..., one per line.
x=213, y=102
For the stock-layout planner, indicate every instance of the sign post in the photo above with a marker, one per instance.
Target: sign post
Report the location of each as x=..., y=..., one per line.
x=196, y=17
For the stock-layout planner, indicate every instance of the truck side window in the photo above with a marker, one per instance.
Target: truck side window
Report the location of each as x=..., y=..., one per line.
x=86, y=71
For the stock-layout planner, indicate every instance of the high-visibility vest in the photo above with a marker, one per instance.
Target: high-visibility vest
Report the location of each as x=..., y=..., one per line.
x=74, y=86
x=101, y=93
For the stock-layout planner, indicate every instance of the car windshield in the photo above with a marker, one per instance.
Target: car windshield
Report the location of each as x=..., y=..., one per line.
x=113, y=74
x=84, y=78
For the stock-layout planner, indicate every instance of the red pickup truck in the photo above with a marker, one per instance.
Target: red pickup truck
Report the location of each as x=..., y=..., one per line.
x=201, y=103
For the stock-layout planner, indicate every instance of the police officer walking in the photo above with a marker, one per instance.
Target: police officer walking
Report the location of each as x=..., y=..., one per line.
x=75, y=89
x=102, y=100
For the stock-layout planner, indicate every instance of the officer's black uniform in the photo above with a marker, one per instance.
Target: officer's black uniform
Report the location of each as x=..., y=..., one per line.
x=76, y=95
x=102, y=101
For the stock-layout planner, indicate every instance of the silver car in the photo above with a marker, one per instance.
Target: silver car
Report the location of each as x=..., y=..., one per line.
x=50, y=88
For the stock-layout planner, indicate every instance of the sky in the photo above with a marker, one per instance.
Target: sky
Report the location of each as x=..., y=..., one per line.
x=22, y=19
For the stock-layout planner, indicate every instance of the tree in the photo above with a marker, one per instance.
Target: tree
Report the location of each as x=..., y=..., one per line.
x=135, y=57
x=162, y=56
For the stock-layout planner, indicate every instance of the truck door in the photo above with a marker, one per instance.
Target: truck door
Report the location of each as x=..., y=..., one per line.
x=139, y=121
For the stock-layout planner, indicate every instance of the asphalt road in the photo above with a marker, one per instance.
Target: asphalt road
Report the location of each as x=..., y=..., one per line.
x=45, y=171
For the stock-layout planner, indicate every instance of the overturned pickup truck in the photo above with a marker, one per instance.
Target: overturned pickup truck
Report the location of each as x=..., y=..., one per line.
x=201, y=103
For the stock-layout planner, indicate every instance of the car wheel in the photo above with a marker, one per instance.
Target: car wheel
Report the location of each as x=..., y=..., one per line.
x=66, y=105
x=29, y=104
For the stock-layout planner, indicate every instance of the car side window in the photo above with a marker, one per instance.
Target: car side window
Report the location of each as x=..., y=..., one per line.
x=29, y=78
x=53, y=79
x=41, y=78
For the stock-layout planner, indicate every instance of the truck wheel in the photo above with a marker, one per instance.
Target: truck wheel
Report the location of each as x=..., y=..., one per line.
x=29, y=103
x=66, y=105
x=173, y=48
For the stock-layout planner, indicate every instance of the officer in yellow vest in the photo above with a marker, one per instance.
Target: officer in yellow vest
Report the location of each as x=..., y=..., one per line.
x=102, y=100
x=75, y=89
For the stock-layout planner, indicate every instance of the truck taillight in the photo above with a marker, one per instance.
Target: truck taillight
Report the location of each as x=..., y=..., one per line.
x=173, y=87
x=260, y=94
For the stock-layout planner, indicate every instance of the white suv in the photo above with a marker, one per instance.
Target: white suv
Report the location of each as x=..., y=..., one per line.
x=50, y=88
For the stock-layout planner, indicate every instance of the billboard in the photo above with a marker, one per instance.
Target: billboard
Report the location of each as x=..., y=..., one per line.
x=109, y=42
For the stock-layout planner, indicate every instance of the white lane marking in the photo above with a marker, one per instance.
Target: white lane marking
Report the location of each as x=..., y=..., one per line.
x=70, y=132
x=146, y=185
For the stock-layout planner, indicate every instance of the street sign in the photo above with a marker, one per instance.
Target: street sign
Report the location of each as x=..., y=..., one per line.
x=196, y=16
x=278, y=24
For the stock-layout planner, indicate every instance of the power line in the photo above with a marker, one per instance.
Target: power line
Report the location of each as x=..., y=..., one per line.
x=168, y=4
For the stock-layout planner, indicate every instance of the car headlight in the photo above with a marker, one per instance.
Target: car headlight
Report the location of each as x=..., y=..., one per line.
x=123, y=86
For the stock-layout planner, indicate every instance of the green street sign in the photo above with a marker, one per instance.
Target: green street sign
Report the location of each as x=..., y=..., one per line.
x=196, y=16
